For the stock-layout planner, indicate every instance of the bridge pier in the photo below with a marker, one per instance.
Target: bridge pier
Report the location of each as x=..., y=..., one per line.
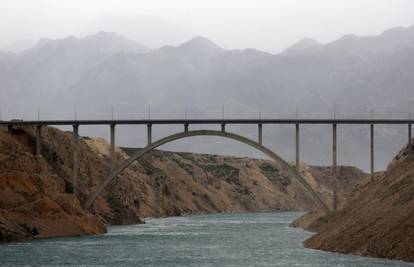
x=38, y=140
x=149, y=133
x=334, y=167
x=297, y=146
x=260, y=133
x=186, y=127
x=112, y=150
x=76, y=164
x=372, y=151
x=410, y=142
x=223, y=127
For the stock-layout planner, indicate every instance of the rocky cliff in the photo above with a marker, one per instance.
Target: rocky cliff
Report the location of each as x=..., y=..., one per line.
x=36, y=197
x=378, y=219
x=34, y=200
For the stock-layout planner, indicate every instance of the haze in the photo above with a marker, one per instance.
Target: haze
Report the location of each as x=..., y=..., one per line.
x=266, y=25
x=348, y=75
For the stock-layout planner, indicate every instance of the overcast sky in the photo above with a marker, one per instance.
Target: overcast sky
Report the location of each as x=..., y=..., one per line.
x=266, y=25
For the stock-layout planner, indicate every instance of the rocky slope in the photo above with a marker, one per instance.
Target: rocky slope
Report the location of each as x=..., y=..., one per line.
x=36, y=192
x=378, y=219
x=33, y=199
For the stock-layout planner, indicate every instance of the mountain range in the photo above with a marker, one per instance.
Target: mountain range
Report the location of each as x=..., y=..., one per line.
x=354, y=76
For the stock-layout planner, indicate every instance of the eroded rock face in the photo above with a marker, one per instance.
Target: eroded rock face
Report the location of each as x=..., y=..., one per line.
x=193, y=183
x=36, y=193
x=378, y=219
x=33, y=202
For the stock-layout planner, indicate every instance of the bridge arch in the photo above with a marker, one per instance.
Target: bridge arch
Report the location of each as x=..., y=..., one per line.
x=186, y=134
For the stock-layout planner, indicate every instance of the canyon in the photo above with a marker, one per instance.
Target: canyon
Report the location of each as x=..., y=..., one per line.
x=37, y=201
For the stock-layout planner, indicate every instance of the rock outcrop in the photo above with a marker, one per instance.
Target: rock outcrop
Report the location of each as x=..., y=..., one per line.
x=378, y=219
x=33, y=199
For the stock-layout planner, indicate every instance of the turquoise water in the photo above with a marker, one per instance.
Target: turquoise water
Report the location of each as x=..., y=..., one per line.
x=250, y=239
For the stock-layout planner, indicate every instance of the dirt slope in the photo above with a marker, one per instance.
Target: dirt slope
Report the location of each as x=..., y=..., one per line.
x=378, y=221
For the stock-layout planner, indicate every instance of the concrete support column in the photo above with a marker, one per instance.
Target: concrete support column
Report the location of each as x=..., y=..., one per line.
x=149, y=133
x=372, y=151
x=297, y=146
x=76, y=163
x=186, y=127
x=410, y=142
x=223, y=127
x=260, y=133
x=334, y=167
x=112, y=151
x=38, y=140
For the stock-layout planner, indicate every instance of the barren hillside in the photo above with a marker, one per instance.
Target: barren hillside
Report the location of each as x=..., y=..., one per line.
x=378, y=220
x=36, y=193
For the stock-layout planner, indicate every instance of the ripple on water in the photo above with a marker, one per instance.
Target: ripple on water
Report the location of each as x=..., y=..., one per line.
x=260, y=239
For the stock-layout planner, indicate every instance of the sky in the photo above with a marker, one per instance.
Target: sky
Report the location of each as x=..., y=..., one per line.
x=233, y=24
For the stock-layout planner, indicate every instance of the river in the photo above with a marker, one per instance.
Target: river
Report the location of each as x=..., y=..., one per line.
x=249, y=239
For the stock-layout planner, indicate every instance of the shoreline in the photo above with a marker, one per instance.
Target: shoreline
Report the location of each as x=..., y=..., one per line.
x=144, y=222
x=331, y=254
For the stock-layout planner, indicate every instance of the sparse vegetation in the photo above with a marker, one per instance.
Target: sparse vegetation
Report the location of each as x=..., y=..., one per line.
x=275, y=175
x=229, y=173
x=185, y=166
x=117, y=207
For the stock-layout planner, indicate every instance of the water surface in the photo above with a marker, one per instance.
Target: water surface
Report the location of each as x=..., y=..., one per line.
x=250, y=239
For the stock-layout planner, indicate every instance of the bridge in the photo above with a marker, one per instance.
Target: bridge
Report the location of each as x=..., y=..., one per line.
x=221, y=132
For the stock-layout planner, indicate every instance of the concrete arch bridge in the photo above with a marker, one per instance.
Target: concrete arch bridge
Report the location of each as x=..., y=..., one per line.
x=116, y=170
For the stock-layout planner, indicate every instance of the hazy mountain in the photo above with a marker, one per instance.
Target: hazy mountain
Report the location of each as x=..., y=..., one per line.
x=306, y=45
x=102, y=42
x=353, y=73
x=199, y=46
x=153, y=31
x=80, y=54
x=19, y=46
x=43, y=74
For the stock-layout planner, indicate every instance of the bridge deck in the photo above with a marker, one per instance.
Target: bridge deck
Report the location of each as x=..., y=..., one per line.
x=209, y=121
